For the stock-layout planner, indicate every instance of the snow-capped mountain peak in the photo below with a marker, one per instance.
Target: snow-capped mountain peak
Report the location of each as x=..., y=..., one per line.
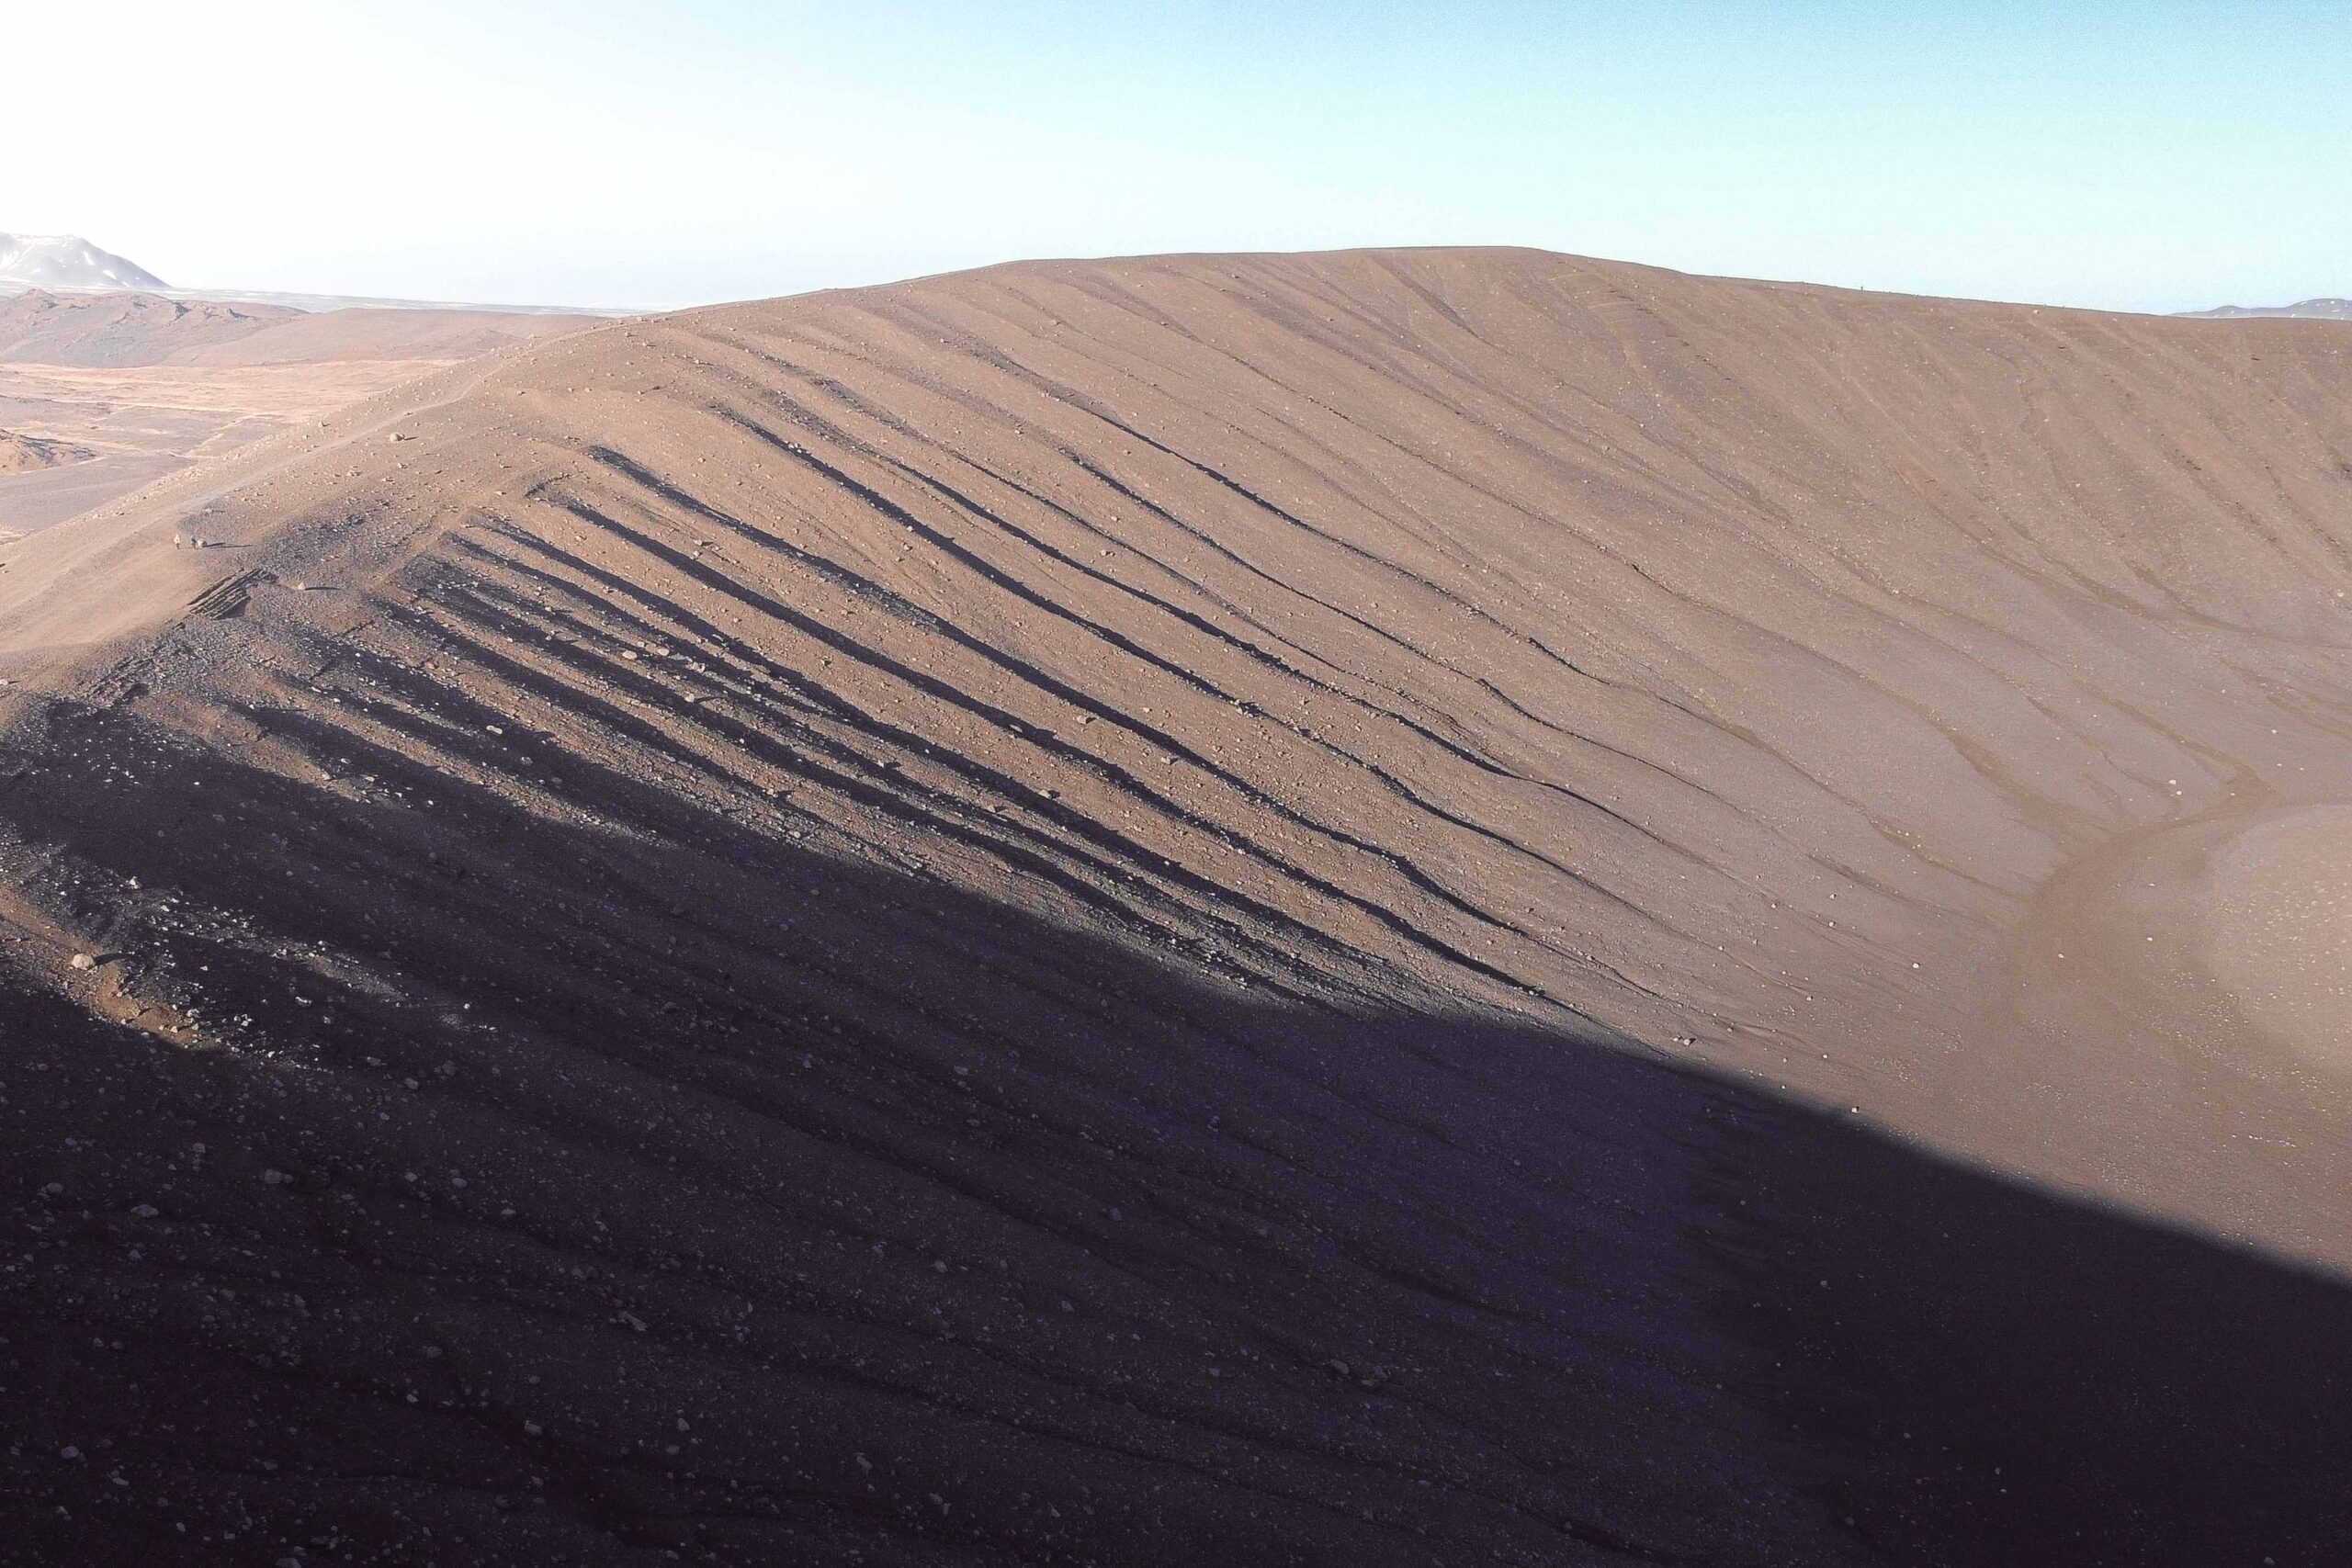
x=66, y=262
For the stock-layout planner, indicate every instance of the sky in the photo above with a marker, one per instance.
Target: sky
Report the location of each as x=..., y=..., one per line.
x=2129, y=156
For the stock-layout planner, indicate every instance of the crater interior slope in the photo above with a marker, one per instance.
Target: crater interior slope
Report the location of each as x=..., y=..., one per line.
x=1395, y=907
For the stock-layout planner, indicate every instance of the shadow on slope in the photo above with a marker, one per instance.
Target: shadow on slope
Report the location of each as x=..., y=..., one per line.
x=481, y=1187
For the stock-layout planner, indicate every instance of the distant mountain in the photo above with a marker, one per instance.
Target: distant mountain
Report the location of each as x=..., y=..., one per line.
x=2323, y=309
x=66, y=262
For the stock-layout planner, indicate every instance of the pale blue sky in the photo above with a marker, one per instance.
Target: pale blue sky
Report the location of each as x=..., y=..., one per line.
x=2142, y=156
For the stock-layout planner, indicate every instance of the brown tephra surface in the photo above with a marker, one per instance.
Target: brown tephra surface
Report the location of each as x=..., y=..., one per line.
x=1391, y=908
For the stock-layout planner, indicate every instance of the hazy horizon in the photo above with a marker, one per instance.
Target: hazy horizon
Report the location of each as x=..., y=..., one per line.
x=2121, y=156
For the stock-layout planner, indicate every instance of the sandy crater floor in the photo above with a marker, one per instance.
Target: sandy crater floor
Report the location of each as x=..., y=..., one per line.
x=2275, y=913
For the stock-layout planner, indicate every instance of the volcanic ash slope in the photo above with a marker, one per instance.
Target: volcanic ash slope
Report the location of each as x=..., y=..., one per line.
x=1037, y=916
